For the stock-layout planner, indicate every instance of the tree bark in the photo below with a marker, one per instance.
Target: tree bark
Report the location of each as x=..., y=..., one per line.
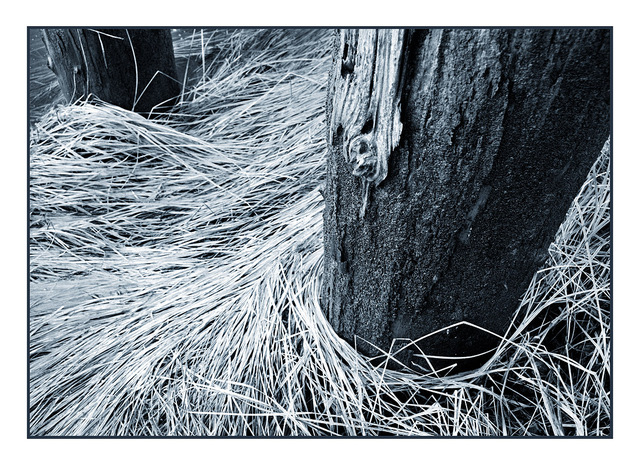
x=131, y=68
x=453, y=158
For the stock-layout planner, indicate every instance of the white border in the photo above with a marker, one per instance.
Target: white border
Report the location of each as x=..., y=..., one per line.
x=396, y=13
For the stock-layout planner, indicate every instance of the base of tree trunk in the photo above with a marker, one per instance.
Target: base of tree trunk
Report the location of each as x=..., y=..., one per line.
x=499, y=130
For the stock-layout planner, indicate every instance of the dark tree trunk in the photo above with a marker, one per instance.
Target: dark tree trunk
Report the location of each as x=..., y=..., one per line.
x=131, y=68
x=454, y=156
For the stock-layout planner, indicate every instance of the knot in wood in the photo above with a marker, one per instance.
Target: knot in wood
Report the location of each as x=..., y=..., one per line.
x=365, y=102
x=363, y=158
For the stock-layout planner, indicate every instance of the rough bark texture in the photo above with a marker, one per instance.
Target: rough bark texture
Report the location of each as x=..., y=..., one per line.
x=499, y=130
x=131, y=68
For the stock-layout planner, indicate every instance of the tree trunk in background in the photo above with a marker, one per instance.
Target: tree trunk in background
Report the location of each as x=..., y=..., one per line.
x=490, y=133
x=131, y=68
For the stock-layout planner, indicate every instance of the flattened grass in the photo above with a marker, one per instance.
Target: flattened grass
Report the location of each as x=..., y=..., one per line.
x=176, y=271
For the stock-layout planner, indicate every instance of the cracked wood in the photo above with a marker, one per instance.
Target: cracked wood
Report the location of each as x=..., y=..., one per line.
x=500, y=128
x=367, y=82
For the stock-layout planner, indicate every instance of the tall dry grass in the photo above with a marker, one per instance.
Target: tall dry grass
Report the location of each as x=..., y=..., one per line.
x=176, y=271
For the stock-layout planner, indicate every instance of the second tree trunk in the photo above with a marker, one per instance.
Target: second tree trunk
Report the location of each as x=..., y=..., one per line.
x=131, y=68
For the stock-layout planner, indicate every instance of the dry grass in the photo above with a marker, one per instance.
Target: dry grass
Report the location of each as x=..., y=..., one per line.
x=176, y=271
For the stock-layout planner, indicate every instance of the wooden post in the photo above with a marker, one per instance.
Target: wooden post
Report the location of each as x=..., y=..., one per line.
x=131, y=68
x=454, y=156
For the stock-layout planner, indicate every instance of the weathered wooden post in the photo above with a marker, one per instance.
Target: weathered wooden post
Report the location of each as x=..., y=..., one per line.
x=131, y=68
x=454, y=156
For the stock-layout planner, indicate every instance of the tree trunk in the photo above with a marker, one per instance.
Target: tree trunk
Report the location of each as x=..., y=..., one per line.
x=131, y=68
x=454, y=157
